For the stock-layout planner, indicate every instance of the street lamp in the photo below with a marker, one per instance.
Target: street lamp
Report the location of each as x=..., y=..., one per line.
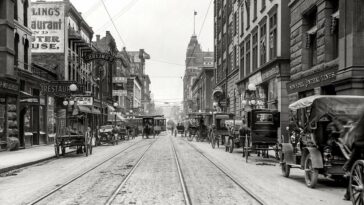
x=115, y=106
x=251, y=96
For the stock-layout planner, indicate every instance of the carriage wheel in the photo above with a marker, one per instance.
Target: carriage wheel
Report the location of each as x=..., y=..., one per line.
x=56, y=150
x=63, y=151
x=311, y=174
x=356, y=184
x=231, y=145
x=286, y=169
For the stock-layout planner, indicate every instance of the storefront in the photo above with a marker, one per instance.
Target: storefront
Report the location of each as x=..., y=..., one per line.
x=8, y=110
x=269, y=91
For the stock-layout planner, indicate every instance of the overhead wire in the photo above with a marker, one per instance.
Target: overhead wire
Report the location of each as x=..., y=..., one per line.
x=113, y=23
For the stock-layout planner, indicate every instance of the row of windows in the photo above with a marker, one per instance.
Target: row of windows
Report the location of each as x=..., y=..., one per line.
x=25, y=12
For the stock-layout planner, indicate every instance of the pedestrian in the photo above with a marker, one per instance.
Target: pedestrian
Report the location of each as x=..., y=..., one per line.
x=244, y=132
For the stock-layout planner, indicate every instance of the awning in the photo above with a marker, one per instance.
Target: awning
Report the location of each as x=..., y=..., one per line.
x=96, y=111
x=118, y=118
x=110, y=108
x=84, y=109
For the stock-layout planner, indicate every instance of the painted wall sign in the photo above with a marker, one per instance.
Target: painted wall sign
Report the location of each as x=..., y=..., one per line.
x=60, y=88
x=312, y=81
x=47, y=24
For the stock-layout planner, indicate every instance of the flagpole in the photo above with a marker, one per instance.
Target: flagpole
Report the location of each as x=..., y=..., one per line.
x=194, y=23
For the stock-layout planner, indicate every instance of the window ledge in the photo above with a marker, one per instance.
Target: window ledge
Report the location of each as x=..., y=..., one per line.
x=263, y=9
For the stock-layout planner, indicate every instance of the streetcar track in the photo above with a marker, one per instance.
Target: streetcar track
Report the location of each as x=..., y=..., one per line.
x=243, y=187
x=128, y=175
x=60, y=186
x=182, y=180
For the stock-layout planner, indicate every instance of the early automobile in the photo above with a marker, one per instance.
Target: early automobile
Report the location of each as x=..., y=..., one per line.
x=318, y=149
x=108, y=135
x=263, y=125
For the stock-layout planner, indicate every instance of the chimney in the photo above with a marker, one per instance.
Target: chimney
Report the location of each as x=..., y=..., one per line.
x=97, y=38
x=108, y=33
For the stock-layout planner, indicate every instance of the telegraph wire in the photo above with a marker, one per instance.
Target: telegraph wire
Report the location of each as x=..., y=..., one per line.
x=113, y=23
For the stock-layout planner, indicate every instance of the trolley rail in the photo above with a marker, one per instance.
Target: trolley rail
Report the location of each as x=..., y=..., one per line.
x=43, y=197
x=182, y=180
x=125, y=180
x=243, y=187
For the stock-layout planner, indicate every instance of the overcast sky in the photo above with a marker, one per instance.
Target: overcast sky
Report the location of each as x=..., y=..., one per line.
x=162, y=27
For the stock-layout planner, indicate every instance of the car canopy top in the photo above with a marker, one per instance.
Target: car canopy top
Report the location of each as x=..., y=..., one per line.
x=336, y=105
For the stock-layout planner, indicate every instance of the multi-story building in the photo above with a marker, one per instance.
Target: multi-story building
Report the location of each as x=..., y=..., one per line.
x=326, y=44
x=264, y=55
x=202, y=90
x=120, y=79
x=140, y=81
x=195, y=60
x=226, y=36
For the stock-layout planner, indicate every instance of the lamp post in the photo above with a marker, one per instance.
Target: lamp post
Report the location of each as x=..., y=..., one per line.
x=251, y=97
x=115, y=106
x=69, y=100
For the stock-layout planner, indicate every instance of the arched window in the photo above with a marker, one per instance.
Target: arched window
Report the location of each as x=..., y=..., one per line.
x=26, y=54
x=16, y=49
x=25, y=12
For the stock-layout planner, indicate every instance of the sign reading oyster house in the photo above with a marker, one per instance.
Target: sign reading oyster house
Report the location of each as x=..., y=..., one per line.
x=47, y=24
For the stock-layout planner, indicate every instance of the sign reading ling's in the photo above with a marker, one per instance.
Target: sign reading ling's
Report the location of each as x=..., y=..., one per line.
x=47, y=24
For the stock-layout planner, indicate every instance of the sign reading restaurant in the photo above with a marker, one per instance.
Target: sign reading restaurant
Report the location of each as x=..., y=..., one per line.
x=60, y=88
x=47, y=24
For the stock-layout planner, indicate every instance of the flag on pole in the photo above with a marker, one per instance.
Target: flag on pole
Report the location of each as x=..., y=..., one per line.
x=195, y=13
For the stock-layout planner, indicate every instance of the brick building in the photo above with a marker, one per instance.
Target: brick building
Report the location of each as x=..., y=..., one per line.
x=202, y=90
x=195, y=60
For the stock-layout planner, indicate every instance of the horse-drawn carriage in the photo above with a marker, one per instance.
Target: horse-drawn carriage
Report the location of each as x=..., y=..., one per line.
x=220, y=130
x=325, y=143
x=73, y=131
x=180, y=129
x=263, y=125
x=197, y=127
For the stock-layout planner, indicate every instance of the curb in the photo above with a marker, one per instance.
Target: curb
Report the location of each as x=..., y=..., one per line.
x=27, y=164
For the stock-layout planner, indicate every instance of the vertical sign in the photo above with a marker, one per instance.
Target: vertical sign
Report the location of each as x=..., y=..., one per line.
x=47, y=24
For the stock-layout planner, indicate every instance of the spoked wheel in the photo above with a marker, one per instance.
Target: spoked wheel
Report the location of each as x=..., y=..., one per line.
x=231, y=145
x=356, y=183
x=286, y=169
x=311, y=174
x=190, y=137
x=56, y=150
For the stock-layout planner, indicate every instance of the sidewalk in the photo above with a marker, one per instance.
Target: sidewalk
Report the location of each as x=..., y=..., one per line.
x=10, y=160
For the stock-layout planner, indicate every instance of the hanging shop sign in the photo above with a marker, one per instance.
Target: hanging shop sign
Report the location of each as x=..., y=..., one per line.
x=99, y=56
x=119, y=80
x=119, y=93
x=61, y=88
x=47, y=24
x=309, y=82
x=84, y=100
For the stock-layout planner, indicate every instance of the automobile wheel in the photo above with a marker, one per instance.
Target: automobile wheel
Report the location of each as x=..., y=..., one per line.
x=286, y=169
x=311, y=174
x=356, y=186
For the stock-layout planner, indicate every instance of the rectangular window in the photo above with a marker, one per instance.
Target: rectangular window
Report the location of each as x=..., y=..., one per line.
x=235, y=24
x=255, y=9
x=311, y=38
x=263, y=37
x=263, y=6
x=273, y=36
x=247, y=58
x=247, y=7
x=242, y=21
x=255, y=51
x=242, y=61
